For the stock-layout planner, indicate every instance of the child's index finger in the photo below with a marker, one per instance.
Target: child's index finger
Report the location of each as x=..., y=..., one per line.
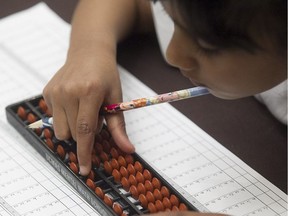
x=86, y=129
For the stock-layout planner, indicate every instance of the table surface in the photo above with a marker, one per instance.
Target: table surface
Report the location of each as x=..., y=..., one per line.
x=243, y=126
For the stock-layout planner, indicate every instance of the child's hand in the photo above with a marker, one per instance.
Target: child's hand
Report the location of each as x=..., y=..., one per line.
x=74, y=97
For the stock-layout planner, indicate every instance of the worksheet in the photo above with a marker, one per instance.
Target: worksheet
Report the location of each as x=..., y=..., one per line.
x=29, y=186
x=33, y=46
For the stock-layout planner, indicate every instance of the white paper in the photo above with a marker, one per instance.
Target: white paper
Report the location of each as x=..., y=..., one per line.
x=28, y=184
x=207, y=174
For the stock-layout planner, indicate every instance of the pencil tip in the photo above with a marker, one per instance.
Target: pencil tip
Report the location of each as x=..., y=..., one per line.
x=35, y=125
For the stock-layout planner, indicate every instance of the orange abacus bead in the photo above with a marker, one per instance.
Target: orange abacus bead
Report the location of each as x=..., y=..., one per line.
x=114, y=163
x=48, y=133
x=106, y=146
x=31, y=118
x=95, y=160
x=42, y=105
x=124, y=172
x=21, y=112
x=107, y=167
x=122, y=161
x=159, y=205
x=131, y=169
x=90, y=184
x=38, y=131
x=139, y=177
x=147, y=175
x=175, y=208
x=157, y=194
x=105, y=134
x=117, y=208
x=117, y=175
x=165, y=191
x=148, y=185
x=152, y=208
x=48, y=113
x=74, y=168
x=132, y=179
x=150, y=197
x=73, y=157
x=91, y=175
x=125, y=183
x=108, y=200
x=174, y=200
x=134, y=192
x=61, y=152
x=141, y=188
x=129, y=159
x=50, y=144
x=143, y=200
x=99, y=192
x=98, y=148
x=121, y=153
x=114, y=153
x=104, y=156
x=183, y=207
x=156, y=183
x=138, y=166
x=166, y=203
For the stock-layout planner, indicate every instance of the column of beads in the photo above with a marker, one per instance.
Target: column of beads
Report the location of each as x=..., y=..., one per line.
x=112, y=160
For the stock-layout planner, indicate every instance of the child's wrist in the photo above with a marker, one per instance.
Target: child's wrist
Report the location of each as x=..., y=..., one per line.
x=104, y=43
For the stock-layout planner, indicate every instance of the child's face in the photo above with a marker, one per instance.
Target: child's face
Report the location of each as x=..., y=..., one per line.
x=227, y=74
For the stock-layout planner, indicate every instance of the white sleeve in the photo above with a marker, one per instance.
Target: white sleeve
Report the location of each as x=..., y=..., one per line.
x=276, y=101
x=164, y=26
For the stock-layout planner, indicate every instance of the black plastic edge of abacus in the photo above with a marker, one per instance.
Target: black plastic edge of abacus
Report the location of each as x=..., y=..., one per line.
x=61, y=168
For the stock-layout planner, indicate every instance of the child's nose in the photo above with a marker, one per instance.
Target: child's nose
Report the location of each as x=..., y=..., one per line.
x=179, y=56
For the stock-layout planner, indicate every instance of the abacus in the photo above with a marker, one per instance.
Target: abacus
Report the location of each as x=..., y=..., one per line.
x=118, y=183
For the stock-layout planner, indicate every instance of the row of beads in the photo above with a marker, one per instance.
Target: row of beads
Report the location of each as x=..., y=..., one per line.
x=129, y=175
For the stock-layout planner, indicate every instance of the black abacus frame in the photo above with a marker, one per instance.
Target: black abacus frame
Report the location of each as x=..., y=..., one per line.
x=76, y=182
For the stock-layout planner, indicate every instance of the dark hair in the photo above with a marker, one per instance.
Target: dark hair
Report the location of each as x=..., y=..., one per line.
x=231, y=23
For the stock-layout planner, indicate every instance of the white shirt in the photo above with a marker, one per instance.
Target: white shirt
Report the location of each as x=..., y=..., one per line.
x=275, y=99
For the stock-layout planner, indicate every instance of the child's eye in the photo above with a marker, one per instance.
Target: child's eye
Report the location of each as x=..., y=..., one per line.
x=208, y=52
x=206, y=45
x=206, y=48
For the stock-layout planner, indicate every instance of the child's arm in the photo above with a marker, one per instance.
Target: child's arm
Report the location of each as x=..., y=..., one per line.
x=89, y=77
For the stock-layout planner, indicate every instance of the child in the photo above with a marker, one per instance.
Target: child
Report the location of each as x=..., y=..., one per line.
x=274, y=98
x=234, y=48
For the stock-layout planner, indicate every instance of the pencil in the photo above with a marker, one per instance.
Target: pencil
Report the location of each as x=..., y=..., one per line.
x=137, y=103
